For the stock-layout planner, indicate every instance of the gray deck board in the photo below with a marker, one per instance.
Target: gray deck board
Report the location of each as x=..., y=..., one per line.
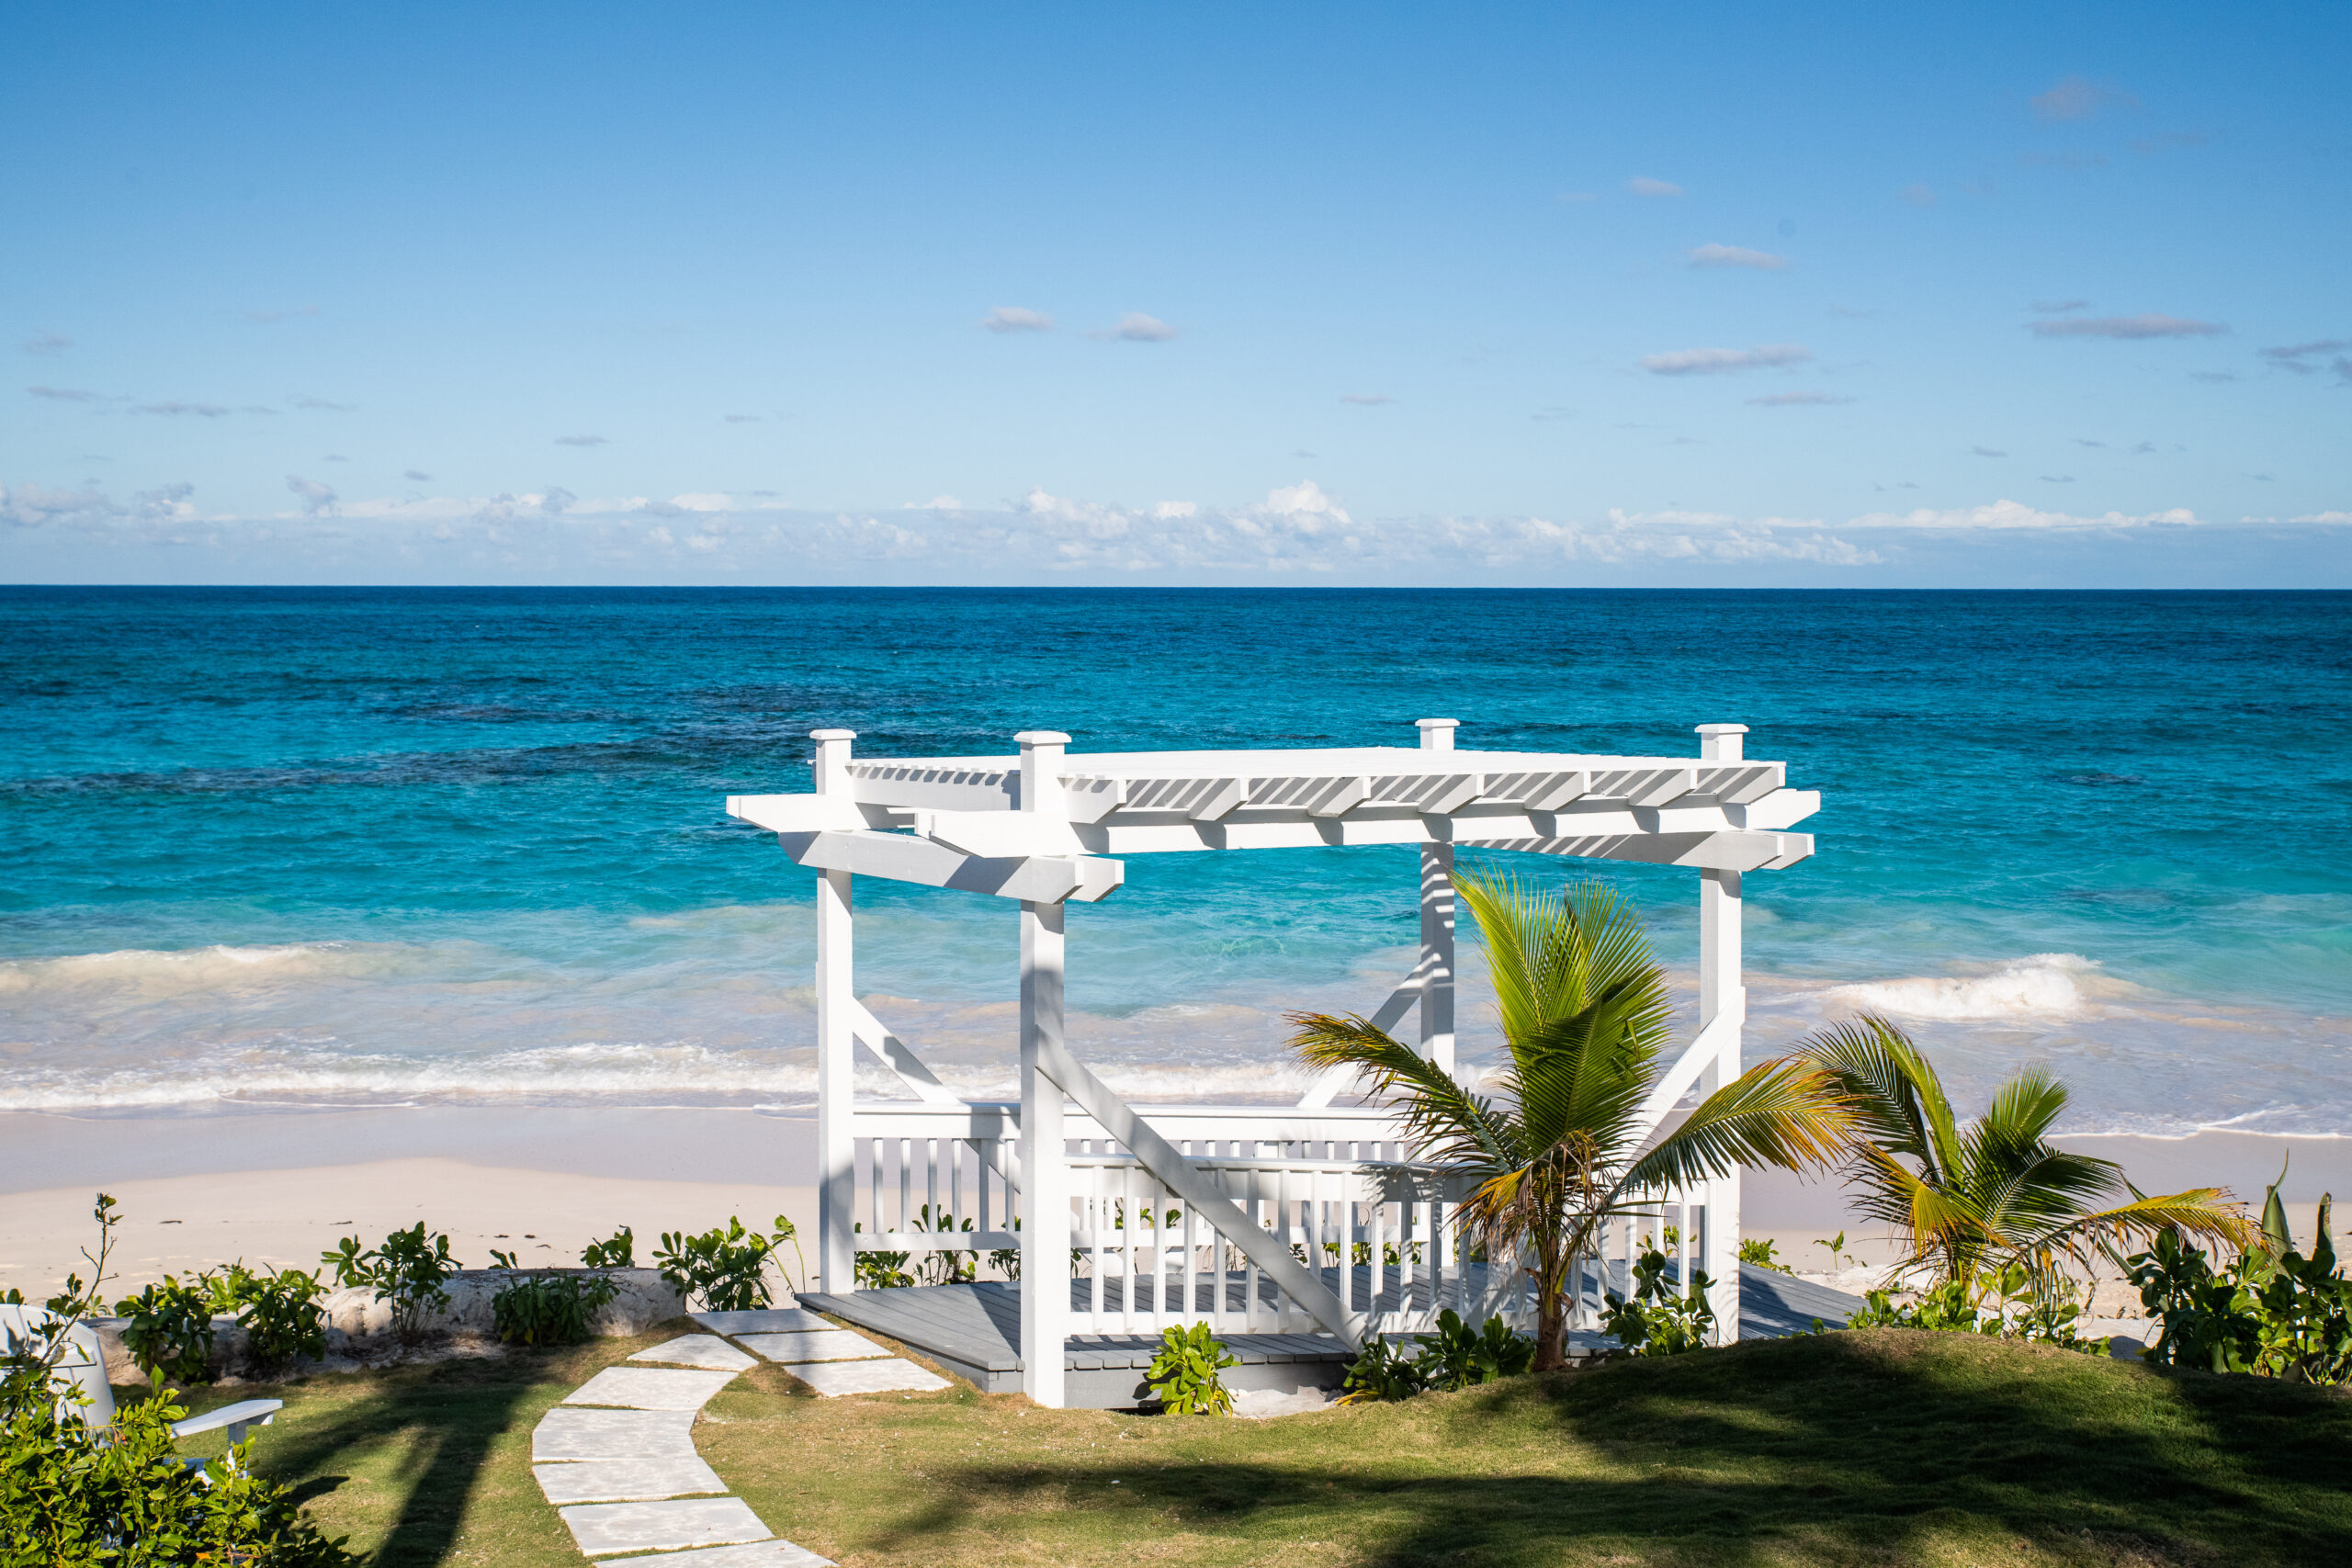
x=978, y=1325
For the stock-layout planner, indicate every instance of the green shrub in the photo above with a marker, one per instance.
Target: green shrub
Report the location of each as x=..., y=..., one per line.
x=72, y=1498
x=726, y=1269
x=1656, y=1322
x=617, y=1251
x=170, y=1331
x=1186, y=1373
x=408, y=1271
x=1382, y=1370
x=2005, y=1303
x=2273, y=1312
x=551, y=1309
x=1458, y=1357
x=1761, y=1253
x=279, y=1309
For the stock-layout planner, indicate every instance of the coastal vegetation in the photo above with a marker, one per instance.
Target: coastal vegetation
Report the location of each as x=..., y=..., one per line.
x=1880, y=1446
x=726, y=1267
x=1583, y=1012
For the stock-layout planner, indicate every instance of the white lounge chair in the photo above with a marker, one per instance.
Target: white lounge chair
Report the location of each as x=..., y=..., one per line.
x=83, y=1365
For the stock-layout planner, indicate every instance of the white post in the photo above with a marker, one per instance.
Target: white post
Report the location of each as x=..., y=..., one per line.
x=1045, y=1178
x=1437, y=923
x=836, y=1045
x=1721, y=996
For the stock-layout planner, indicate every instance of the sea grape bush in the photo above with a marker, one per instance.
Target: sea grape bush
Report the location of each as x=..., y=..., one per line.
x=1456, y=1357
x=2275, y=1313
x=615, y=1251
x=279, y=1309
x=72, y=1497
x=169, y=1331
x=724, y=1268
x=1656, y=1322
x=409, y=1270
x=1186, y=1373
x=2001, y=1303
x=551, y=1308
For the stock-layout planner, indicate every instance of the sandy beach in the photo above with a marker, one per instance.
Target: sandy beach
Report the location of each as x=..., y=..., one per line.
x=279, y=1187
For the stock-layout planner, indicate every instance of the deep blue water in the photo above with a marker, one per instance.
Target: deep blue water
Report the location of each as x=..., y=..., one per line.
x=385, y=844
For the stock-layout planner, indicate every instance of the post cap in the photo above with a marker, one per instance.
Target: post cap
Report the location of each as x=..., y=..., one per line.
x=832, y=734
x=1436, y=723
x=1042, y=738
x=1722, y=728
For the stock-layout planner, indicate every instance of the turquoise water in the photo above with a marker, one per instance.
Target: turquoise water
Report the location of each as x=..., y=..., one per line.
x=393, y=845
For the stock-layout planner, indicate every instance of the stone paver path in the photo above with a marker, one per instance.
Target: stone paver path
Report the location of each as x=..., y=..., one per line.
x=868, y=1377
x=618, y=1460
x=828, y=1345
x=650, y=1388
x=765, y=1320
x=706, y=1350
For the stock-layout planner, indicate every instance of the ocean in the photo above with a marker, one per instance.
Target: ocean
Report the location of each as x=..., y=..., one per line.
x=401, y=846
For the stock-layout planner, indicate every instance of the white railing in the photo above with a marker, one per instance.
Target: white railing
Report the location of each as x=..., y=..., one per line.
x=939, y=1184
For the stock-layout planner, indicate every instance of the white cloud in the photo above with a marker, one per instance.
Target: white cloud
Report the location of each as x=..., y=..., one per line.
x=301, y=400
x=2338, y=519
x=1720, y=361
x=1136, y=327
x=47, y=342
x=1169, y=511
x=418, y=475
x=1641, y=185
x=316, y=497
x=2074, y=97
x=2013, y=515
x=2057, y=306
x=1367, y=399
x=1798, y=400
x=63, y=394
x=936, y=503
x=1737, y=255
x=583, y=440
x=703, y=501
x=2148, y=324
x=1013, y=319
x=1986, y=452
x=176, y=408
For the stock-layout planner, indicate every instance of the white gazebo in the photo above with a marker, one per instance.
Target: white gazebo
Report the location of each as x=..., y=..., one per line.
x=1295, y=1231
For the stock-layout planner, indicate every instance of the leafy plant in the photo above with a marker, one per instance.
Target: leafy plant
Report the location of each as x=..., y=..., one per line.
x=1186, y=1373
x=1584, y=1016
x=943, y=1267
x=615, y=1251
x=170, y=1331
x=725, y=1268
x=1459, y=1356
x=880, y=1271
x=1382, y=1370
x=1839, y=1257
x=1974, y=1200
x=123, y=1498
x=551, y=1308
x=2006, y=1304
x=2275, y=1313
x=1656, y=1322
x=279, y=1309
x=1760, y=1251
x=409, y=1271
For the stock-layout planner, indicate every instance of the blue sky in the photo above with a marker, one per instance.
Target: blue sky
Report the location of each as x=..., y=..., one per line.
x=1850, y=294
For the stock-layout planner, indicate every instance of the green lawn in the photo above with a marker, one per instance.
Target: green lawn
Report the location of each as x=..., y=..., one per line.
x=1881, y=1447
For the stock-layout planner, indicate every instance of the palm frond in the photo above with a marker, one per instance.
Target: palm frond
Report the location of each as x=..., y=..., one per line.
x=1452, y=1125
x=1898, y=1099
x=1789, y=1113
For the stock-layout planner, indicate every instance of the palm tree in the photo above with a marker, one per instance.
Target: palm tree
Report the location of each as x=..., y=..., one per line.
x=1584, y=1016
x=1976, y=1200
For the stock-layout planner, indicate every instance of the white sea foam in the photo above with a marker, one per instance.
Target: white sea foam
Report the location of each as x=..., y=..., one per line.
x=151, y=973
x=2048, y=986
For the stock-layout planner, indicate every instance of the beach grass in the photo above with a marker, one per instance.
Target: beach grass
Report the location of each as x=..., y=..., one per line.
x=1877, y=1447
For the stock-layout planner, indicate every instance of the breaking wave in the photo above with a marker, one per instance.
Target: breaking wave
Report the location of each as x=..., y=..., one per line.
x=2047, y=986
